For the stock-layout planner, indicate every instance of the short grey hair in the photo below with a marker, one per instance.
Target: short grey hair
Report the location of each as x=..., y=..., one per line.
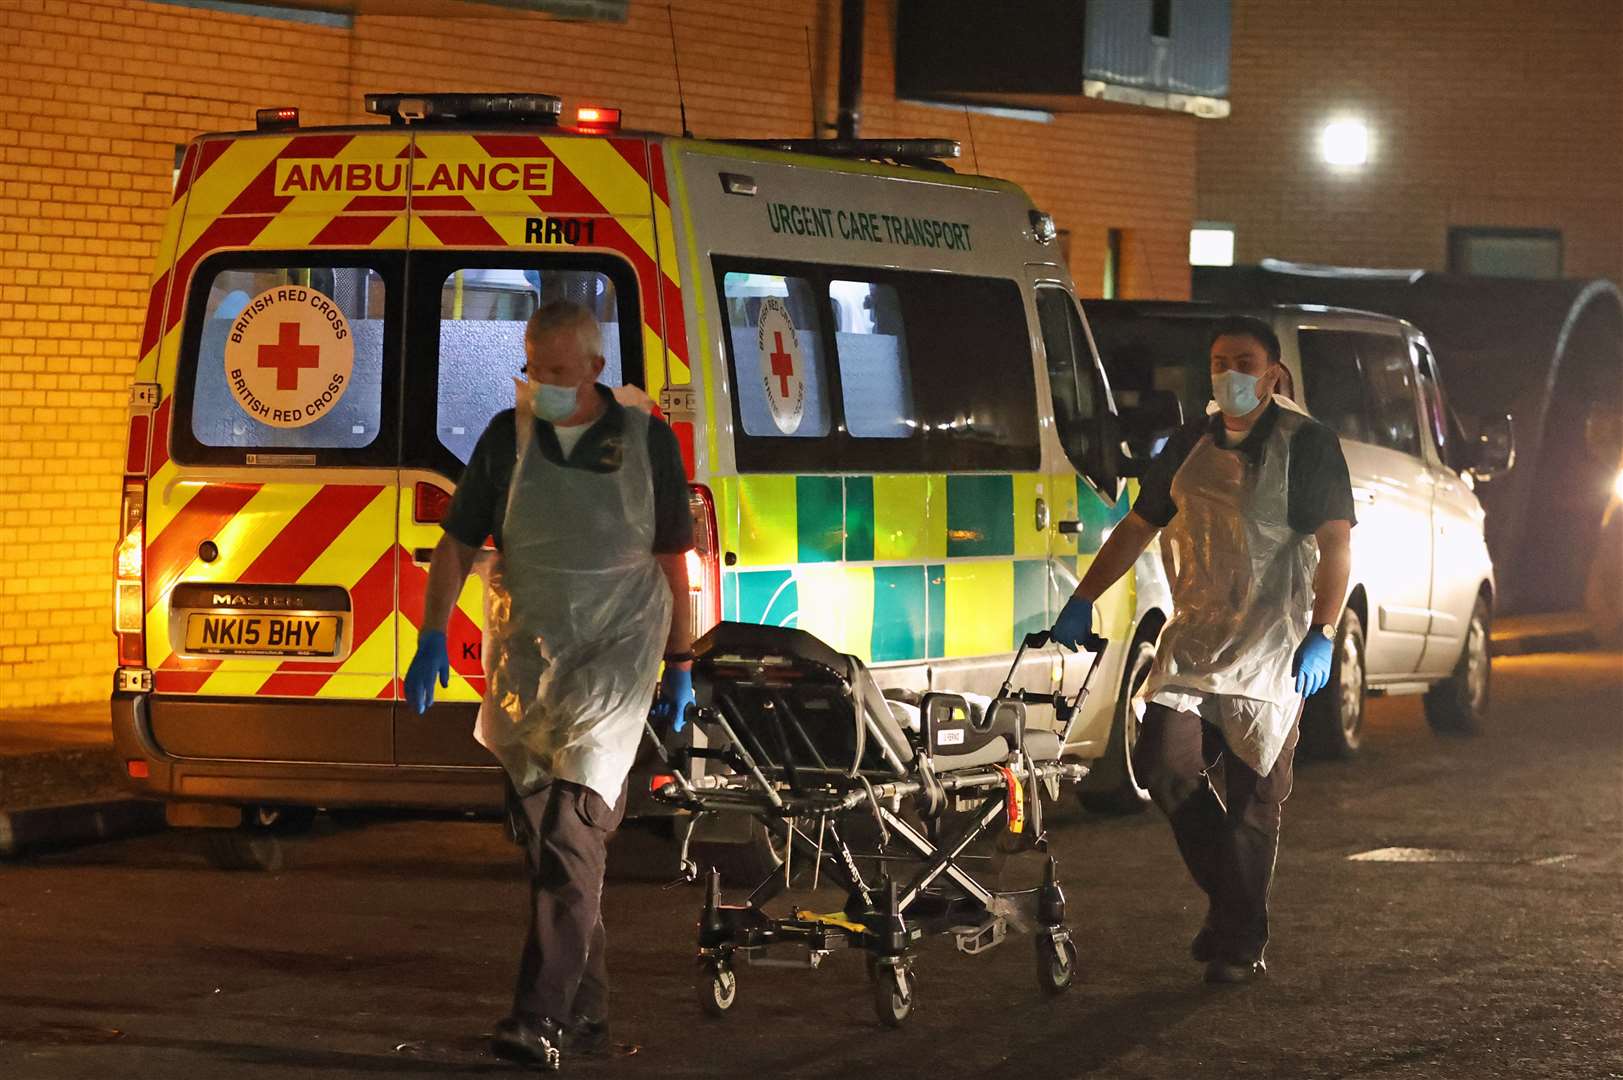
x=567, y=315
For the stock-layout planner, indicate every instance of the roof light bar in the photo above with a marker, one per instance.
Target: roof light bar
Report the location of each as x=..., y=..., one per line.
x=469, y=109
x=283, y=118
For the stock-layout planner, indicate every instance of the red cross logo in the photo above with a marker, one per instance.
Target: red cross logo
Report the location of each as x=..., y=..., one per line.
x=783, y=363
x=288, y=357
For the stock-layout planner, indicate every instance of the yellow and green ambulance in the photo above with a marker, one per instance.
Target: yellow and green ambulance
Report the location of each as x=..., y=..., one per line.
x=895, y=423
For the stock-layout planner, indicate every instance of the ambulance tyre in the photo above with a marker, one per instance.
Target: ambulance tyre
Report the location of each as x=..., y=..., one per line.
x=1333, y=719
x=718, y=986
x=893, y=994
x=1113, y=787
x=242, y=849
x=1459, y=704
x=281, y=820
x=1056, y=964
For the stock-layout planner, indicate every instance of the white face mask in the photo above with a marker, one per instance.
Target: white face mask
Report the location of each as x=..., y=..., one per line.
x=1236, y=392
x=554, y=403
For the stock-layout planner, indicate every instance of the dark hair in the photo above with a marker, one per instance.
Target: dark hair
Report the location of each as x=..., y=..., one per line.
x=1246, y=326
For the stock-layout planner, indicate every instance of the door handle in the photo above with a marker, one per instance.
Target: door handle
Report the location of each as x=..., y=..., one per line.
x=422, y=556
x=1068, y=528
x=1042, y=514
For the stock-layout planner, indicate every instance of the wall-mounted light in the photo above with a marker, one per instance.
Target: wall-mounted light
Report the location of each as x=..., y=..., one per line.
x=1345, y=142
x=1211, y=244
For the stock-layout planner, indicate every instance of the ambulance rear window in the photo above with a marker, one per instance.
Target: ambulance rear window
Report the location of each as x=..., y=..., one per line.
x=285, y=356
x=483, y=312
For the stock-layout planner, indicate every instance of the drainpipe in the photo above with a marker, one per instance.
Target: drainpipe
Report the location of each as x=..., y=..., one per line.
x=850, y=117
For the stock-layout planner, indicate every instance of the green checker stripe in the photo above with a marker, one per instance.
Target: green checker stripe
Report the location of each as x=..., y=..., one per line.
x=935, y=609
x=1096, y=516
x=899, y=613
x=1030, y=598
x=859, y=519
x=980, y=515
x=820, y=519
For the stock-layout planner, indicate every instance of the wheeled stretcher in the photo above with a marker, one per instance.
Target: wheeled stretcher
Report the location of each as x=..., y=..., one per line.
x=883, y=799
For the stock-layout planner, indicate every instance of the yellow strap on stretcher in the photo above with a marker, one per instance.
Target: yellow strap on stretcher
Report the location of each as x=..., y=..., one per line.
x=833, y=918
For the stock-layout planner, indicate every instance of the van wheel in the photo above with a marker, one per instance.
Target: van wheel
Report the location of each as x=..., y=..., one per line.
x=242, y=849
x=281, y=820
x=1113, y=788
x=1459, y=704
x=1333, y=721
x=743, y=864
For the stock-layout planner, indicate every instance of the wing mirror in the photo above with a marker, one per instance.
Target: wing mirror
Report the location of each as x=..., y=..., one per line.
x=1148, y=417
x=1494, y=452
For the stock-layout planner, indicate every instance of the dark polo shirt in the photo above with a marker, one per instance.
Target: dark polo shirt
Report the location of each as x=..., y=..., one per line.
x=480, y=502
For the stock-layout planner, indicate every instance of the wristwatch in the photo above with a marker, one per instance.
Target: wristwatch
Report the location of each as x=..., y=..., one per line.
x=679, y=657
x=1325, y=630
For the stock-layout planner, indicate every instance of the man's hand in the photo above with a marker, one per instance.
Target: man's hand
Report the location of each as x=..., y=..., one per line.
x=431, y=660
x=675, y=695
x=1074, y=625
x=1311, y=666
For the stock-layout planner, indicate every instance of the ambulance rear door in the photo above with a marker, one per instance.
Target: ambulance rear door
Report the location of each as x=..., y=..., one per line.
x=501, y=224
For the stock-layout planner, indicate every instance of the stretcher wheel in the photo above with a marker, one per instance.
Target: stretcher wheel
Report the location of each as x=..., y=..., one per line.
x=718, y=987
x=1056, y=964
x=892, y=994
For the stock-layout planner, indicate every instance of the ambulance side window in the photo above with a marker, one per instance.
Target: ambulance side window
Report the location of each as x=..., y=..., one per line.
x=483, y=312
x=282, y=357
x=777, y=346
x=1071, y=379
x=870, y=342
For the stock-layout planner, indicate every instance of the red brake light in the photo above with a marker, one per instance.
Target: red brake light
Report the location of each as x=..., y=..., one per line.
x=597, y=118
x=430, y=503
x=283, y=118
x=137, y=769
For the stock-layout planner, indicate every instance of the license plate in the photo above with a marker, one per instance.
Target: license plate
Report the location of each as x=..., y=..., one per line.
x=262, y=635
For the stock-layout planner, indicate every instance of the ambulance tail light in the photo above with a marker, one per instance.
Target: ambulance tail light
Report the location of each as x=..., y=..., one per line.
x=597, y=120
x=704, y=561
x=129, y=566
x=283, y=118
x=430, y=503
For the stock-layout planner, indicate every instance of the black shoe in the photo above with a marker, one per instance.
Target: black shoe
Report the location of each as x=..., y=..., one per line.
x=531, y=1043
x=1230, y=972
x=587, y=1038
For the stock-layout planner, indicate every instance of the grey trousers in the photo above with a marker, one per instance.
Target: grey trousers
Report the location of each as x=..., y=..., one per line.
x=564, y=828
x=1224, y=816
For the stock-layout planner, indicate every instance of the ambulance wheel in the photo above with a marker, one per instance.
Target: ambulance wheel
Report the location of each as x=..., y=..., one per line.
x=718, y=987
x=1333, y=720
x=1459, y=704
x=281, y=820
x=1113, y=787
x=893, y=994
x=1056, y=964
x=242, y=849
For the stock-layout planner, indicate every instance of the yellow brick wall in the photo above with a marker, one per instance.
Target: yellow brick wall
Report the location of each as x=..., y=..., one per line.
x=95, y=95
x=1489, y=113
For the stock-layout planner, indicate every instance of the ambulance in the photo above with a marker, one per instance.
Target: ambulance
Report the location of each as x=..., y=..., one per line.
x=896, y=426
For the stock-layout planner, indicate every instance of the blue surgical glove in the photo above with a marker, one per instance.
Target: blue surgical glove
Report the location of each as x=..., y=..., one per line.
x=431, y=660
x=1311, y=666
x=1075, y=623
x=675, y=695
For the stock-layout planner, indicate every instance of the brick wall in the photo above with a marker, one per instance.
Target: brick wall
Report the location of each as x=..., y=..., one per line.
x=1491, y=113
x=95, y=95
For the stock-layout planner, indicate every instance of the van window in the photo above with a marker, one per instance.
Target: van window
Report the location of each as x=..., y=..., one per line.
x=1390, y=380
x=1335, y=385
x=871, y=346
x=483, y=311
x=282, y=355
x=777, y=343
x=931, y=372
x=1071, y=378
x=1431, y=399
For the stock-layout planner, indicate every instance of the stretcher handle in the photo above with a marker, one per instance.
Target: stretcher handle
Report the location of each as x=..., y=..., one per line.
x=1093, y=643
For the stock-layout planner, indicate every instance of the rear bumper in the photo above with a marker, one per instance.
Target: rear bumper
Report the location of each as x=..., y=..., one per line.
x=234, y=775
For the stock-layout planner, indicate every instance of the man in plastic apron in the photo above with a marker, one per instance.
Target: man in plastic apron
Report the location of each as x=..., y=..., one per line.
x=1255, y=509
x=588, y=504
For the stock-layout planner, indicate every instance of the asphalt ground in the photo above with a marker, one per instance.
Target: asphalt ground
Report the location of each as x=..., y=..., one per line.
x=388, y=948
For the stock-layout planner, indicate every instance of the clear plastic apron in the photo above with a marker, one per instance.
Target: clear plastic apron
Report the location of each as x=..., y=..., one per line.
x=577, y=613
x=1242, y=591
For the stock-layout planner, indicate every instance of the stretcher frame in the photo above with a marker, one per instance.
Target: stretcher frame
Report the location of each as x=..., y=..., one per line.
x=806, y=809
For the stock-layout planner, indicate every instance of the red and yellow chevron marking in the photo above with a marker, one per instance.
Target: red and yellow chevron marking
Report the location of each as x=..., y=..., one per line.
x=384, y=189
